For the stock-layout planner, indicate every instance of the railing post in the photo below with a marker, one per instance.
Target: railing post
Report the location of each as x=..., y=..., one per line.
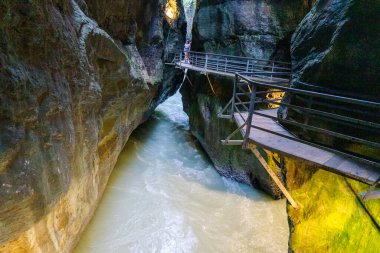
x=247, y=66
x=234, y=96
x=250, y=114
x=206, y=62
x=271, y=76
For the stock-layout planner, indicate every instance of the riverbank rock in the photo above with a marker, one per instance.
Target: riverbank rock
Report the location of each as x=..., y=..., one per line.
x=77, y=77
x=260, y=29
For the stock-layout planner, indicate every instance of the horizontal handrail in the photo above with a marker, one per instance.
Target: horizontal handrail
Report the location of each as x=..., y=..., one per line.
x=245, y=80
x=239, y=57
x=231, y=64
x=274, y=77
x=315, y=94
x=333, y=116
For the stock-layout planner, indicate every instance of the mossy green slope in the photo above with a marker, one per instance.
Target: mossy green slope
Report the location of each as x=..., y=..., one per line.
x=331, y=217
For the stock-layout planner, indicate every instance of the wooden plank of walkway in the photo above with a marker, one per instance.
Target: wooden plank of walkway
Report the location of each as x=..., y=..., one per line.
x=228, y=74
x=327, y=160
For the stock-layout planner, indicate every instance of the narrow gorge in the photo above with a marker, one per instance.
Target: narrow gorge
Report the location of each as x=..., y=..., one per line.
x=80, y=81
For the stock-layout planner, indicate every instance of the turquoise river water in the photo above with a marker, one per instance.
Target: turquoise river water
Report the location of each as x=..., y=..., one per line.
x=165, y=196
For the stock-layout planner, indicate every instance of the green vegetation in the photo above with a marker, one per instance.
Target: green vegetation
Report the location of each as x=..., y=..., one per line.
x=331, y=217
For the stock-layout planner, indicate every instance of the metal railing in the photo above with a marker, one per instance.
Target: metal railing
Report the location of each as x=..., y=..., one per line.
x=230, y=64
x=259, y=83
x=248, y=96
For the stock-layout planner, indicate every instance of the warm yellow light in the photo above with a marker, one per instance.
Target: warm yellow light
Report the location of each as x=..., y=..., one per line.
x=276, y=95
x=171, y=11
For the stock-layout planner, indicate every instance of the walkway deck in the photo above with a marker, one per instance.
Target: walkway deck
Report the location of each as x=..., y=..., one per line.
x=273, y=80
x=257, y=81
x=228, y=66
x=327, y=160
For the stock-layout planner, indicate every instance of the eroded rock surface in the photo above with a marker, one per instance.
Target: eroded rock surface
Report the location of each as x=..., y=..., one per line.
x=260, y=29
x=76, y=78
x=337, y=48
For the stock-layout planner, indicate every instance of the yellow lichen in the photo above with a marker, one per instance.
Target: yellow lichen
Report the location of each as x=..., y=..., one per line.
x=332, y=218
x=276, y=96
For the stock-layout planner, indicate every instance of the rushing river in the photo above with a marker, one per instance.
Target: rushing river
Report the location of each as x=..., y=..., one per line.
x=165, y=196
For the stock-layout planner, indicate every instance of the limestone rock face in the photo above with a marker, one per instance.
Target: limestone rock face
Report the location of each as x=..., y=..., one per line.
x=76, y=78
x=260, y=29
x=337, y=47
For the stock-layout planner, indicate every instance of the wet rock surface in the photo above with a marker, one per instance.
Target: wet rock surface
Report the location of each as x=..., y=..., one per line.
x=75, y=82
x=259, y=29
x=336, y=48
x=78, y=76
x=331, y=216
x=330, y=48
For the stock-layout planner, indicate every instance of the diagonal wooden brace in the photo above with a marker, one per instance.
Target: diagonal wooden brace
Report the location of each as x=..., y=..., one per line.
x=274, y=177
x=209, y=82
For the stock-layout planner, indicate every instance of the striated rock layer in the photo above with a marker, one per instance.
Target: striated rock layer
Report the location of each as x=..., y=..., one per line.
x=76, y=78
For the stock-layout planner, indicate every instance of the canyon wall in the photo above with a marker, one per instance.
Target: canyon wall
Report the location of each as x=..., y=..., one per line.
x=77, y=77
x=260, y=29
x=331, y=44
x=336, y=48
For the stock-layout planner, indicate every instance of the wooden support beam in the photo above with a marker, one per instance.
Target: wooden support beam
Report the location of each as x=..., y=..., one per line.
x=222, y=116
x=274, y=177
x=209, y=81
x=370, y=195
x=232, y=142
x=188, y=79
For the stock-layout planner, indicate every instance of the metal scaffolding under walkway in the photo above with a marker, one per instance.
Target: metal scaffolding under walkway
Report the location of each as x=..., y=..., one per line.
x=261, y=84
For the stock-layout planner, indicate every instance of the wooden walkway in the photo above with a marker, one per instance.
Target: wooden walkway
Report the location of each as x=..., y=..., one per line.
x=229, y=65
x=251, y=77
x=273, y=80
x=327, y=160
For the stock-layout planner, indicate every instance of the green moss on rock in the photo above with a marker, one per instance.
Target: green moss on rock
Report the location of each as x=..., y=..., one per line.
x=331, y=217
